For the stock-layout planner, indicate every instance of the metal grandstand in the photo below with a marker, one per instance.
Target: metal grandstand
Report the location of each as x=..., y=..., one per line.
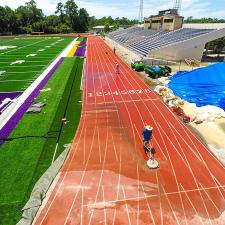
x=143, y=41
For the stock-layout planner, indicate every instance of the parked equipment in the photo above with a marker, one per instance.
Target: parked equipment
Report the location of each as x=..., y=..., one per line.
x=137, y=65
x=158, y=71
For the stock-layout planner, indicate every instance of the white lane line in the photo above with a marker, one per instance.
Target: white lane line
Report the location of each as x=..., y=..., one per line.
x=99, y=147
x=160, y=199
x=203, y=161
x=119, y=179
x=58, y=190
x=149, y=208
x=82, y=208
x=186, y=193
x=190, y=148
x=104, y=159
x=85, y=130
x=72, y=159
x=155, y=195
x=103, y=195
x=171, y=207
x=113, y=144
x=209, y=197
x=127, y=210
x=195, y=180
x=132, y=129
x=138, y=194
x=129, y=116
x=125, y=101
x=174, y=147
x=82, y=178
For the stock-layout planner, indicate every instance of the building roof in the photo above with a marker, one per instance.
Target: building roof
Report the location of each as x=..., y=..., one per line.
x=101, y=27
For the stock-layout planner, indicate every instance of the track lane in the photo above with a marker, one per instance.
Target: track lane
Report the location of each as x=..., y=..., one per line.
x=117, y=188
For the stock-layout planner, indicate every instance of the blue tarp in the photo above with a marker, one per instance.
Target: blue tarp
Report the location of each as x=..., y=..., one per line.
x=204, y=86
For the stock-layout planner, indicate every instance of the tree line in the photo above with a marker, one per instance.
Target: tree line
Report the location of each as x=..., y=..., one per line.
x=204, y=20
x=67, y=18
x=216, y=45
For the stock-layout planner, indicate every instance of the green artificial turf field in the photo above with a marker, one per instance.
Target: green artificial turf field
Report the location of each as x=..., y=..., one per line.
x=17, y=77
x=23, y=161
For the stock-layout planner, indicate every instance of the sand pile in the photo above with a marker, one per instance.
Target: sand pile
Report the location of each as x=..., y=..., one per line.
x=206, y=119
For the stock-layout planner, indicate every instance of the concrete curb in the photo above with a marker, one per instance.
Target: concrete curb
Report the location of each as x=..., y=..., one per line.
x=41, y=188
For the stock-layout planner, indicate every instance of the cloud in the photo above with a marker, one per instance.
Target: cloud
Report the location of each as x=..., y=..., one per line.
x=130, y=8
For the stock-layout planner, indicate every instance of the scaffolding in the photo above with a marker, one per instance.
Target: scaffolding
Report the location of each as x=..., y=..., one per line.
x=141, y=8
x=177, y=5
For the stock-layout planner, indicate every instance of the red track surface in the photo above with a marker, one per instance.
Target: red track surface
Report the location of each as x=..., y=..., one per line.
x=105, y=179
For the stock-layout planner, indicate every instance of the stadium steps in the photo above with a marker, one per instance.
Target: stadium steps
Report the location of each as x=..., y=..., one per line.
x=143, y=41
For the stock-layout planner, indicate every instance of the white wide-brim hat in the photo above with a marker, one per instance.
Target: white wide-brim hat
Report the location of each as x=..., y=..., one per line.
x=148, y=127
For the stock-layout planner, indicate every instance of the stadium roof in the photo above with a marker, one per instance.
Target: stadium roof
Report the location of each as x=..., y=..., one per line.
x=204, y=25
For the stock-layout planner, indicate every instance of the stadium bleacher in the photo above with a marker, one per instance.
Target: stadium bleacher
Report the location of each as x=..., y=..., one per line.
x=143, y=41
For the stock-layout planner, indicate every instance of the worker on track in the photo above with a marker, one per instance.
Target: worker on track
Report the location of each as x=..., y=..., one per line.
x=149, y=151
x=117, y=68
x=147, y=134
x=114, y=50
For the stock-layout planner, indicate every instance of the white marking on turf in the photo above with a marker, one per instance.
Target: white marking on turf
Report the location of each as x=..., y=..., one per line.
x=31, y=55
x=53, y=158
x=6, y=116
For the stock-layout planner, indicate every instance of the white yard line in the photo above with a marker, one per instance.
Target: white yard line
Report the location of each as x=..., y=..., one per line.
x=15, y=49
x=53, y=158
x=22, y=99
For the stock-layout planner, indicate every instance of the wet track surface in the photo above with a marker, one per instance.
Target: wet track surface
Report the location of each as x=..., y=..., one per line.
x=105, y=179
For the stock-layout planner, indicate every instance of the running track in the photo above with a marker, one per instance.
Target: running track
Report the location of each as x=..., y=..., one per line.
x=105, y=179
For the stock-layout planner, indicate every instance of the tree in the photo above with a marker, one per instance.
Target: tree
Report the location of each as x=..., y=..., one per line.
x=34, y=13
x=71, y=10
x=60, y=10
x=106, y=28
x=219, y=45
x=68, y=17
x=83, y=20
x=28, y=15
x=204, y=20
x=8, y=20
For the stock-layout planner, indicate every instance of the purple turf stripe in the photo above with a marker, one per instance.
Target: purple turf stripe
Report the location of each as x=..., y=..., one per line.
x=83, y=43
x=11, y=124
x=80, y=52
x=11, y=95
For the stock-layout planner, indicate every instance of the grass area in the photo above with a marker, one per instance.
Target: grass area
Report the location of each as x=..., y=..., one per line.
x=82, y=39
x=23, y=161
x=18, y=77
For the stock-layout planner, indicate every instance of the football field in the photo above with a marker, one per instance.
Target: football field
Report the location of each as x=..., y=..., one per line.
x=23, y=59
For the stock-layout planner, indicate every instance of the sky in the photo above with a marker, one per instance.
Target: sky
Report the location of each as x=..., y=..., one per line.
x=129, y=8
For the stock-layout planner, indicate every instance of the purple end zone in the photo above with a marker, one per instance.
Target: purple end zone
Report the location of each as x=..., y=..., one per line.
x=5, y=95
x=83, y=43
x=11, y=124
x=80, y=52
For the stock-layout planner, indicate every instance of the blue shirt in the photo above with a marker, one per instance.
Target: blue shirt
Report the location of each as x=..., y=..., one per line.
x=147, y=134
